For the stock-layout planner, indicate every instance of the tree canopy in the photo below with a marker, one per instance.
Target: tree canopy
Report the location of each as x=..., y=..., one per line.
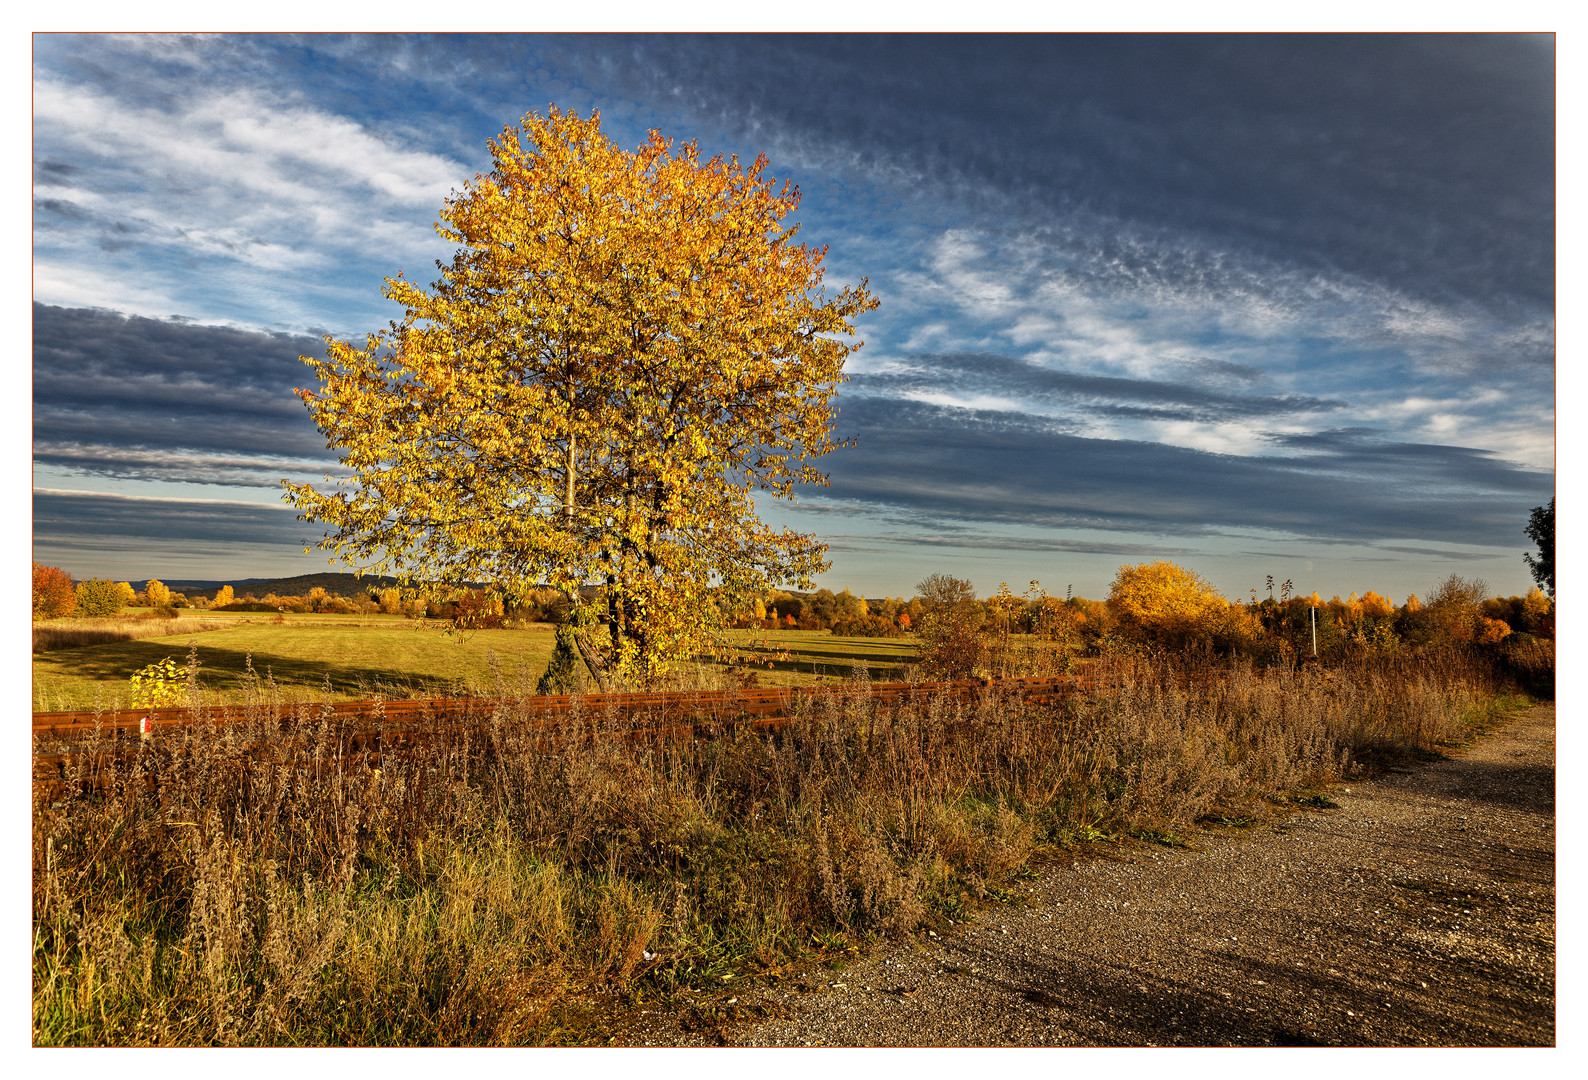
x=626, y=348
x=1541, y=528
x=54, y=592
x=1163, y=602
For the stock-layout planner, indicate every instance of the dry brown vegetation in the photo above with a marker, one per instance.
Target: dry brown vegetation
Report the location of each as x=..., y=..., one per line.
x=75, y=633
x=491, y=889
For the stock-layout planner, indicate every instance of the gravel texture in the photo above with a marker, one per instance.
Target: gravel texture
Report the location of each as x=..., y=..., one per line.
x=1418, y=912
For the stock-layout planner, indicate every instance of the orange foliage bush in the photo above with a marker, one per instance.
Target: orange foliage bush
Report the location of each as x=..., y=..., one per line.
x=54, y=593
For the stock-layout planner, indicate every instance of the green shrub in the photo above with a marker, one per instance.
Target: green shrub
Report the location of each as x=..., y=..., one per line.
x=98, y=598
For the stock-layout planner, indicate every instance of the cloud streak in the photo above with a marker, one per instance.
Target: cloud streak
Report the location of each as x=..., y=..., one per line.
x=156, y=399
x=1016, y=470
x=990, y=374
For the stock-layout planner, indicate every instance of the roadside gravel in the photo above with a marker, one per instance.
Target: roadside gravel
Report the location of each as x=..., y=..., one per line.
x=1419, y=912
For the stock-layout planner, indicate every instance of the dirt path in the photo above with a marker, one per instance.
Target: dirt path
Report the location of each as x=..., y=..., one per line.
x=1420, y=912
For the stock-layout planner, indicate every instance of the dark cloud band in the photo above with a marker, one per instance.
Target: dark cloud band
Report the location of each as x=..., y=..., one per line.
x=140, y=398
x=965, y=464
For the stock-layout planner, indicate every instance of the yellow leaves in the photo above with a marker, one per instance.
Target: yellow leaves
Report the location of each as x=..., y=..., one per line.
x=625, y=345
x=1161, y=601
x=159, y=684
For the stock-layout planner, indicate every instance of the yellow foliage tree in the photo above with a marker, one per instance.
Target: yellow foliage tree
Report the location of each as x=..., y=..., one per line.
x=1165, y=603
x=224, y=595
x=626, y=348
x=158, y=594
x=1375, y=606
x=1536, y=606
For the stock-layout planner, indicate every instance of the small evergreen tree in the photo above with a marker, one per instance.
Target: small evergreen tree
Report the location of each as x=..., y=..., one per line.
x=562, y=674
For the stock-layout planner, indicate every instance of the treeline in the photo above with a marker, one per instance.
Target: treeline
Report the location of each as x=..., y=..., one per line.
x=1152, y=606
x=57, y=595
x=1166, y=608
x=844, y=613
x=466, y=606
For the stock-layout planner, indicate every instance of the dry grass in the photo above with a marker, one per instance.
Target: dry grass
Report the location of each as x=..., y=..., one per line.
x=75, y=633
x=478, y=892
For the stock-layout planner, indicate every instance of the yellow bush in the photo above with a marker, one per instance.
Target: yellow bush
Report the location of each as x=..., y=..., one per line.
x=161, y=683
x=1165, y=603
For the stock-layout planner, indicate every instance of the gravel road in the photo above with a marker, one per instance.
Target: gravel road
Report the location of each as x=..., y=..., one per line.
x=1418, y=912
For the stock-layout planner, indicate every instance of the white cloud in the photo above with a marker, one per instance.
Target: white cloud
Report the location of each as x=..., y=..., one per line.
x=985, y=402
x=1234, y=439
x=74, y=285
x=238, y=175
x=1079, y=298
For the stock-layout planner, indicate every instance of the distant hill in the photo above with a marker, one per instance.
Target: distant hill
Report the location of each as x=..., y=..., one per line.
x=334, y=584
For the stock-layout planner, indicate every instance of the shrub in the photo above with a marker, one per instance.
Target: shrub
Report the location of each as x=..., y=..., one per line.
x=1166, y=604
x=952, y=642
x=98, y=598
x=158, y=685
x=53, y=592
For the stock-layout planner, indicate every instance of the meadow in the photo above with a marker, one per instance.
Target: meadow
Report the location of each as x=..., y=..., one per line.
x=352, y=657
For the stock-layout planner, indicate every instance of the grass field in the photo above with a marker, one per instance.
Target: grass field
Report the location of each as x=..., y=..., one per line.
x=346, y=658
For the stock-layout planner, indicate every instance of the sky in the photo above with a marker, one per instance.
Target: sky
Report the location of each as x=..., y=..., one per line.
x=1256, y=304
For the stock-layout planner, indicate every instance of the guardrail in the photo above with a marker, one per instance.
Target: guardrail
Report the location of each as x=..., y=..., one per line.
x=79, y=748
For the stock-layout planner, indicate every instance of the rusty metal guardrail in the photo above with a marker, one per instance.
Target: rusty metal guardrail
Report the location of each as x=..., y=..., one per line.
x=83, y=744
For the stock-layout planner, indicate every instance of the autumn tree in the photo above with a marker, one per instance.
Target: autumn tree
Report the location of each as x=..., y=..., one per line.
x=1538, y=613
x=98, y=597
x=223, y=596
x=626, y=349
x=1454, y=609
x=54, y=593
x=951, y=627
x=1165, y=604
x=158, y=595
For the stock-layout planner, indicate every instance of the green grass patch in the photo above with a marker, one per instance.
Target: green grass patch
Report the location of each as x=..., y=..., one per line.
x=807, y=657
x=340, y=657
x=348, y=658
x=1316, y=800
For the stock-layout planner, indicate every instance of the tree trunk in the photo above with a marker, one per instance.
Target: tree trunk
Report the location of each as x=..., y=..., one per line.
x=593, y=662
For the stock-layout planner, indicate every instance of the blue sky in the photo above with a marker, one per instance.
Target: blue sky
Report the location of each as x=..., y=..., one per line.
x=1257, y=304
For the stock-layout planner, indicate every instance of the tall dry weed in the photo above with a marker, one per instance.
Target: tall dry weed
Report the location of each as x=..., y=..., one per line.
x=80, y=632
